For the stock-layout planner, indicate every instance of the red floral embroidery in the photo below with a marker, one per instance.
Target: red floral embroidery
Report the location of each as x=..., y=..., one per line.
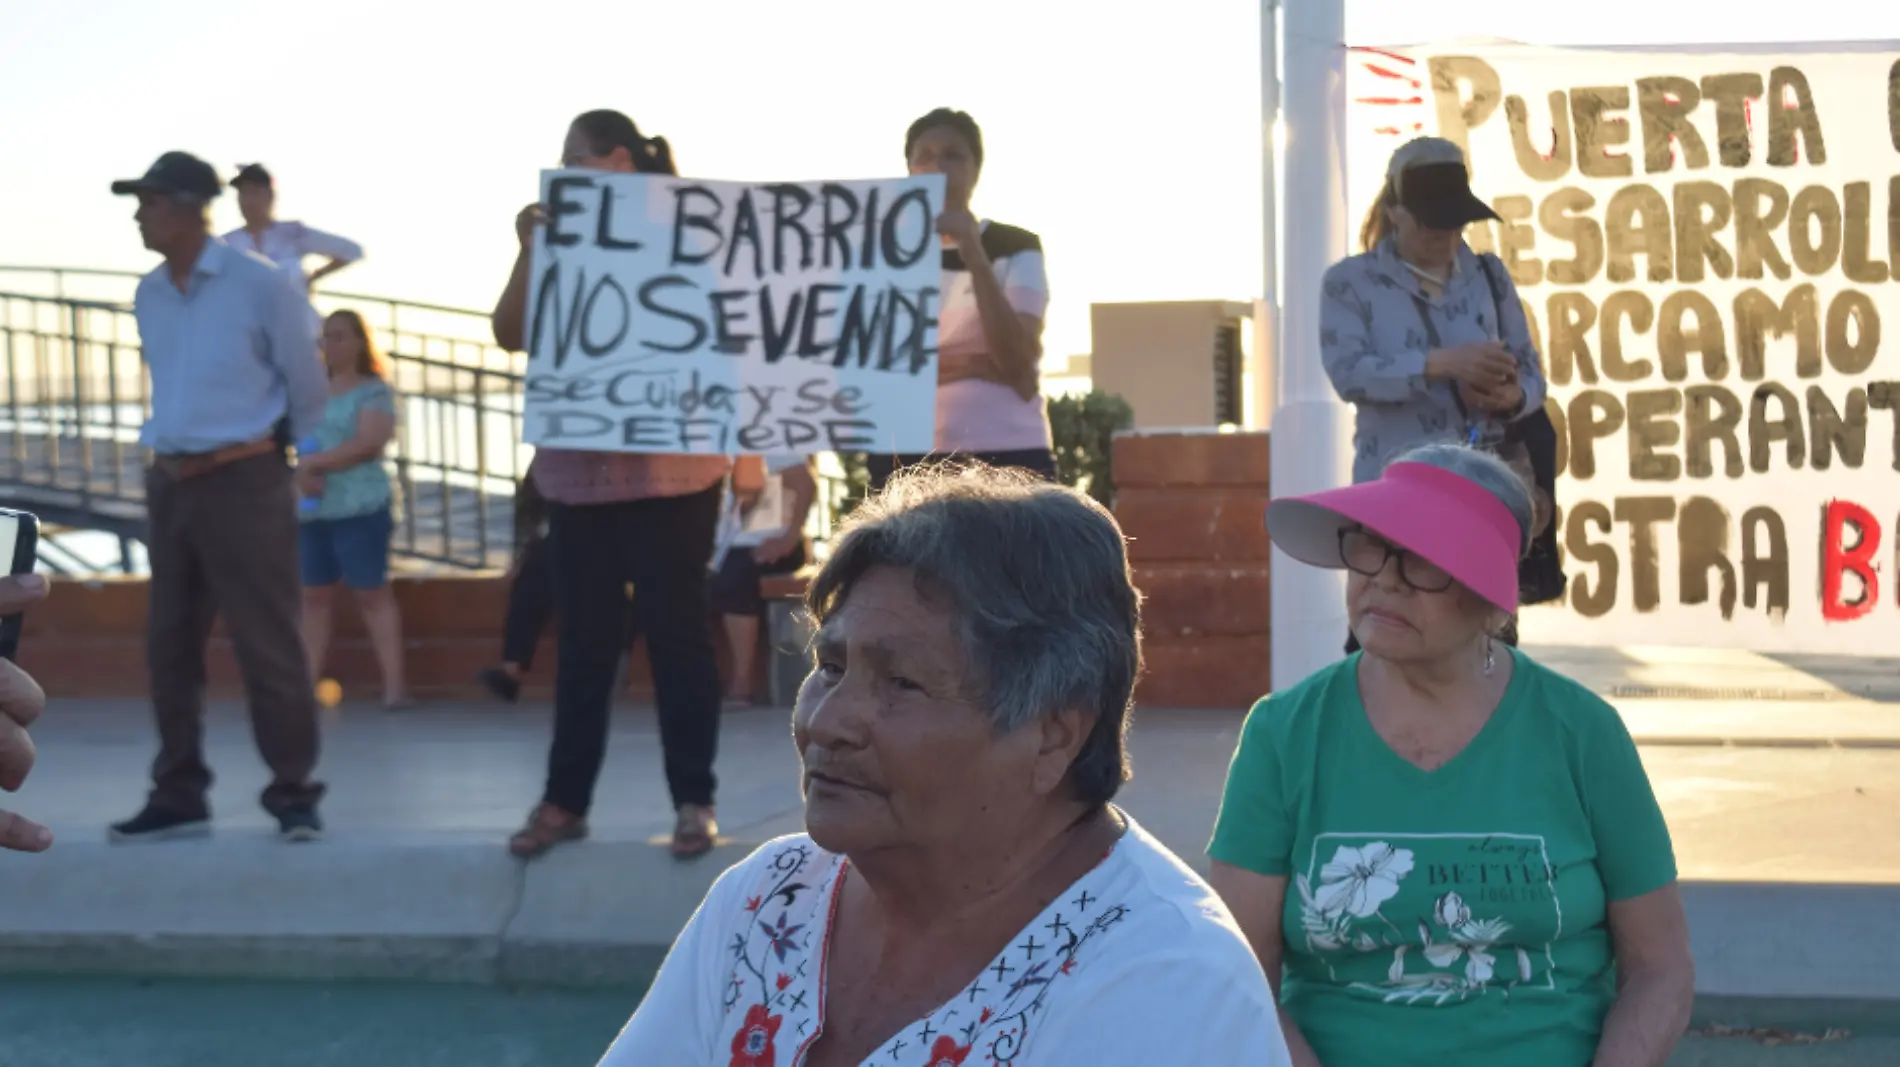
x=752, y=1045
x=986, y=1016
x=752, y=903
x=947, y=1053
x=783, y=981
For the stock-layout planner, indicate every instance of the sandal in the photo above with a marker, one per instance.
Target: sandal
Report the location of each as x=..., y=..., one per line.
x=695, y=832
x=547, y=826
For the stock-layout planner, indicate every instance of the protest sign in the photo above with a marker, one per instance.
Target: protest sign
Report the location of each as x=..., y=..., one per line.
x=673, y=315
x=1707, y=244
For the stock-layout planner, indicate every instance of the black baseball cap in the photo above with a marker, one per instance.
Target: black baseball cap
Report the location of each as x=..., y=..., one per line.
x=252, y=172
x=174, y=172
x=1428, y=176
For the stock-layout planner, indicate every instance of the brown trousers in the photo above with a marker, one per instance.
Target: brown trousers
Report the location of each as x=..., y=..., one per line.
x=225, y=543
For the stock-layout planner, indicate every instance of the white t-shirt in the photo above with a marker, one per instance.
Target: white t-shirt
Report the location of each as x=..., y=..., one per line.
x=975, y=415
x=768, y=516
x=287, y=243
x=1138, y=964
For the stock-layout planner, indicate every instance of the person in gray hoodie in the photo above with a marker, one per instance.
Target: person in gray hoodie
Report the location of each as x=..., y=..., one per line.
x=1425, y=338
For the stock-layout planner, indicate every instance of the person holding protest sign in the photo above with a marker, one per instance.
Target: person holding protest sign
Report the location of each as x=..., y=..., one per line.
x=989, y=333
x=1424, y=337
x=1482, y=874
x=616, y=518
x=966, y=890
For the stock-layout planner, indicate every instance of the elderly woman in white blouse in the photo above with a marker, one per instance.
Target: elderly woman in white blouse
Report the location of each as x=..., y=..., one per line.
x=966, y=893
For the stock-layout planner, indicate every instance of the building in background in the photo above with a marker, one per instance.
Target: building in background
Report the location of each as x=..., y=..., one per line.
x=1180, y=364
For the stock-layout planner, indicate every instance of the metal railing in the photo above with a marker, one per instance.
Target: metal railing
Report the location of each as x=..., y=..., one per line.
x=76, y=395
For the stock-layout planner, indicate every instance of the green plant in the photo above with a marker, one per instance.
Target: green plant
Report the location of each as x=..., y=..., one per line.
x=857, y=486
x=1084, y=429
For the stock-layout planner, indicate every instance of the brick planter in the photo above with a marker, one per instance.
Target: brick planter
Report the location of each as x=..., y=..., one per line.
x=88, y=640
x=1191, y=504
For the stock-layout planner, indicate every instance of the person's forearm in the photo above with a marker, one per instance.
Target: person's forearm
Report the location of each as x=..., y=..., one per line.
x=349, y=454
x=1649, y=1017
x=1015, y=351
x=1530, y=379
x=804, y=492
x=509, y=319
x=328, y=269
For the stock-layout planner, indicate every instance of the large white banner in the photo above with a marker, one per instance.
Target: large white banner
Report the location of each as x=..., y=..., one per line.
x=1707, y=244
x=673, y=315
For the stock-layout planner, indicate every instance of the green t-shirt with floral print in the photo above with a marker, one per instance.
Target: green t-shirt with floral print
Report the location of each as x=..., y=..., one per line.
x=1453, y=916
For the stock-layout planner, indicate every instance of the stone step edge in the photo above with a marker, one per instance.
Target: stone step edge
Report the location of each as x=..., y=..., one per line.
x=428, y=959
x=1752, y=941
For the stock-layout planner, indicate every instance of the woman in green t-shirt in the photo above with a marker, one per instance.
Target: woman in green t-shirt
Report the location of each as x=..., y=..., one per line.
x=1441, y=851
x=349, y=504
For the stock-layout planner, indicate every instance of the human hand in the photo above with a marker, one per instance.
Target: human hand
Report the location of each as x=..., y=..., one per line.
x=961, y=226
x=309, y=482
x=531, y=216
x=778, y=546
x=21, y=701
x=1505, y=399
x=1484, y=365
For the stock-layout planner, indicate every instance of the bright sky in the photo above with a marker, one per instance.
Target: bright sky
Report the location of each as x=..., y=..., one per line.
x=1123, y=131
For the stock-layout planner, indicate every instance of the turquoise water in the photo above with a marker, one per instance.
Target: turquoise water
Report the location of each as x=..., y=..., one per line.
x=181, y=1023
x=185, y=1023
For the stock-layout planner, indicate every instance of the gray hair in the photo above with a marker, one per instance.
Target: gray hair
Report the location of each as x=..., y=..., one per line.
x=1491, y=473
x=1037, y=574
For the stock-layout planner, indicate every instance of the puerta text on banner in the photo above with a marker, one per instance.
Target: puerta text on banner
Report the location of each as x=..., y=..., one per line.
x=1707, y=245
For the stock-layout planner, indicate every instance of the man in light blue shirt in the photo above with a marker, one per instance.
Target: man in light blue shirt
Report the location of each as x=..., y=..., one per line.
x=235, y=376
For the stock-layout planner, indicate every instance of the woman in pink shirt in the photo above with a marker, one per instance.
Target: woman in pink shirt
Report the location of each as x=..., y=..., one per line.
x=989, y=334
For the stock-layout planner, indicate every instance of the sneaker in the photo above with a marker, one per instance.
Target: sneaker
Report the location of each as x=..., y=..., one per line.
x=299, y=824
x=695, y=831
x=162, y=824
x=501, y=684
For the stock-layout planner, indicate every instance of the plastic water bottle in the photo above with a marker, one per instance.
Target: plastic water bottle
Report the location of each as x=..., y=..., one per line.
x=308, y=504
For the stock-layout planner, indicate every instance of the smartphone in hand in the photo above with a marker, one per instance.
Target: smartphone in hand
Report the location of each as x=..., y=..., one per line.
x=19, y=551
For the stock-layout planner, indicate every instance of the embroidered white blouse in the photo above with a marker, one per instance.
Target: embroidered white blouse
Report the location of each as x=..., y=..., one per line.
x=1138, y=963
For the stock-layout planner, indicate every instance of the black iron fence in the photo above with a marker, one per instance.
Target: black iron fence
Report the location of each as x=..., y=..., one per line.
x=76, y=395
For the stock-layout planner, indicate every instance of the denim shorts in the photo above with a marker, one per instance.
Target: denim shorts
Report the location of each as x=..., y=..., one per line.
x=352, y=550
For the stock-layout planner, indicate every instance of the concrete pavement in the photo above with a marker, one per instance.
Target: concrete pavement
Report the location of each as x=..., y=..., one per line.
x=1785, y=816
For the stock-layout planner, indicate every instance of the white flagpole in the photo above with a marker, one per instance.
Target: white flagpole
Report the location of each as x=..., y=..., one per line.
x=1309, y=439
x=1266, y=321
